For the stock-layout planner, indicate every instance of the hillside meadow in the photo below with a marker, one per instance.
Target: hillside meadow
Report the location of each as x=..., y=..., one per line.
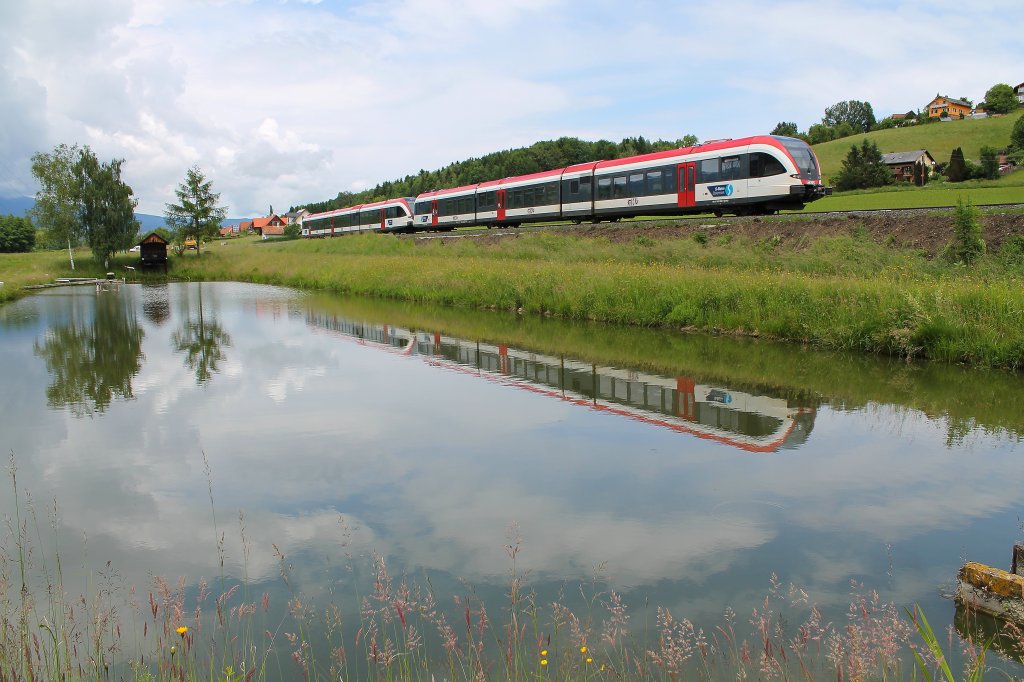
x=940, y=139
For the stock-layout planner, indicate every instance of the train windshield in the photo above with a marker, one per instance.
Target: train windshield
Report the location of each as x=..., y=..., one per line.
x=804, y=158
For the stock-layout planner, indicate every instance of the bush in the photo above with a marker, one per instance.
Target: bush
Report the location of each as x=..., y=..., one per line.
x=967, y=245
x=863, y=168
x=1017, y=134
x=989, y=163
x=1012, y=251
x=17, y=235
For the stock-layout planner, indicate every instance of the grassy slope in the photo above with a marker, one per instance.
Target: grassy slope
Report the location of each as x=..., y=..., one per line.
x=938, y=138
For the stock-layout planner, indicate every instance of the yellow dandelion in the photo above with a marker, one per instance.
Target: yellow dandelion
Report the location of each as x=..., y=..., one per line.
x=183, y=630
x=589, y=659
x=583, y=649
x=543, y=661
x=543, y=652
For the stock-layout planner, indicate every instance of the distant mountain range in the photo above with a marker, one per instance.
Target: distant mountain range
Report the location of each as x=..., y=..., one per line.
x=20, y=206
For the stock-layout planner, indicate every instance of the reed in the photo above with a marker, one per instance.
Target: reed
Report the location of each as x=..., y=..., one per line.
x=398, y=627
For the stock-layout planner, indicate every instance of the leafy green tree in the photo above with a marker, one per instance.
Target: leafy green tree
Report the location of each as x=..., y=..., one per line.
x=785, y=129
x=989, y=163
x=858, y=114
x=957, y=170
x=107, y=206
x=1000, y=99
x=863, y=168
x=57, y=206
x=196, y=214
x=17, y=235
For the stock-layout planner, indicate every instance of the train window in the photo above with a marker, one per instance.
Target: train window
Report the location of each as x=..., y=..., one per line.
x=574, y=187
x=654, y=182
x=517, y=199
x=730, y=168
x=551, y=194
x=668, y=174
x=585, y=187
x=636, y=185
x=468, y=202
x=619, y=187
x=765, y=165
x=604, y=188
x=709, y=170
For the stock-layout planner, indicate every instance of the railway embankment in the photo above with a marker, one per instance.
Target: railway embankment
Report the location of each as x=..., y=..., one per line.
x=875, y=283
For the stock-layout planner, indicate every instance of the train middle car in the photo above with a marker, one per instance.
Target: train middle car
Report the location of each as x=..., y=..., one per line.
x=749, y=176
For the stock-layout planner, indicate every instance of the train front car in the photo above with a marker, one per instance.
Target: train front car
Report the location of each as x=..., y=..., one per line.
x=807, y=185
x=749, y=176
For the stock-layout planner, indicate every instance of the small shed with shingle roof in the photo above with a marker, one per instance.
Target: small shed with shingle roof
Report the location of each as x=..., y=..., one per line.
x=902, y=163
x=153, y=249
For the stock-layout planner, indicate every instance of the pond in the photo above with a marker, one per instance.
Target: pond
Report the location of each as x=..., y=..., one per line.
x=295, y=444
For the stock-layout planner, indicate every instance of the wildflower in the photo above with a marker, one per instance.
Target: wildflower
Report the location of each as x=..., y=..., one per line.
x=589, y=659
x=543, y=652
x=543, y=661
x=183, y=630
x=583, y=649
x=174, y=650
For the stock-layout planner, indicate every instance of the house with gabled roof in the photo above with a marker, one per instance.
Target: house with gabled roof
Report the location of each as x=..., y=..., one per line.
x=295, y=216
x=259, y=225
x=948, y=107
x=1019, y=91
x=902, y=163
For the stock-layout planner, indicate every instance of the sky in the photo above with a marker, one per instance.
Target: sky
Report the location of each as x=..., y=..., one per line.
x=283, y=102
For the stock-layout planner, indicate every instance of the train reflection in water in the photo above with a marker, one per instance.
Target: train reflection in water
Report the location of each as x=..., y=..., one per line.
x=757, y=423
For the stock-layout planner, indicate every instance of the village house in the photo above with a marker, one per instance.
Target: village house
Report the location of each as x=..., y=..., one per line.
x=948, y=107
x=1019, y=91
x=293, y=217
x=902, y=163
x=271, y=223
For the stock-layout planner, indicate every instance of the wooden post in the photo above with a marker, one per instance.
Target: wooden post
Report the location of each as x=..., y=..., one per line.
x=1018, y=560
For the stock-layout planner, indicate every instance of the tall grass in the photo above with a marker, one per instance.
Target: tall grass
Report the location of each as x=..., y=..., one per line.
x=398, y=627
x=842, y=292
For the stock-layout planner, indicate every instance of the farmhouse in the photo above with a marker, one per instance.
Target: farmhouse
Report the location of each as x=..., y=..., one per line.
x=902, y=163
x=1019, y=91
x=261, y=225
x=948, y=107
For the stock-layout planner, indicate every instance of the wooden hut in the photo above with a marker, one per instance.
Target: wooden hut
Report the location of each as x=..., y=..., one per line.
x=153, y=250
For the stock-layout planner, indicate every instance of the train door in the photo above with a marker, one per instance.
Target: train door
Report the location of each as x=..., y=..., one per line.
x=332, y=226
x=383, y=228
x=501, y=204
x=433, y=212
x=687, y=174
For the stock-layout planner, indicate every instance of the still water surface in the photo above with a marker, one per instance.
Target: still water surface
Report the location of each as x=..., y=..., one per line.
x=681, y=471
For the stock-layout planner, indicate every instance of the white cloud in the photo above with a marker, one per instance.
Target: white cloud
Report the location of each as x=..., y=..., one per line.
x=290, y=102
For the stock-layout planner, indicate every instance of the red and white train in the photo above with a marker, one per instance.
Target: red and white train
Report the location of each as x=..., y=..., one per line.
x=749, y=176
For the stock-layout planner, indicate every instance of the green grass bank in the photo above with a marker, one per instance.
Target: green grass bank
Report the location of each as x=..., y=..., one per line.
x=839, y=284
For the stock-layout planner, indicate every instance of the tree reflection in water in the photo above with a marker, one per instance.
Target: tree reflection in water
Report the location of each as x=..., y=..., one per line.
x=93, y=361
x=201, y=340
